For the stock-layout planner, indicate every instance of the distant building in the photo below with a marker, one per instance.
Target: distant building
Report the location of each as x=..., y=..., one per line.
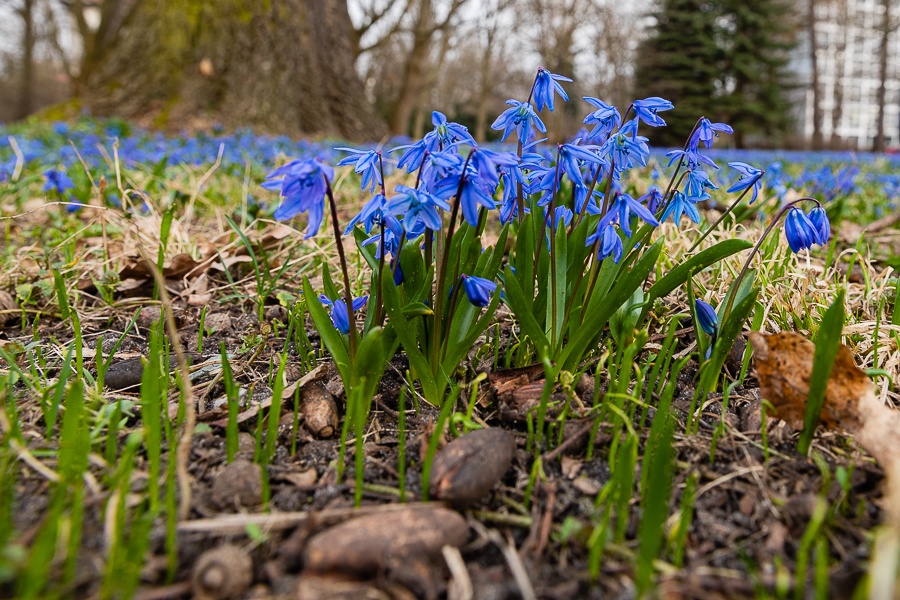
x=848, y=37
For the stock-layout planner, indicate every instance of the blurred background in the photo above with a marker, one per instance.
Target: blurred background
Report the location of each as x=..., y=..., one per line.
x=784, y=73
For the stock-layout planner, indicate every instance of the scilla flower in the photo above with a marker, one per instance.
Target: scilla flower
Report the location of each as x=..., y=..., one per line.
x=521, y=118
x=366, y=163
x=605, y=119
x=340, y=317
x=544, y=85
x=302, y=184
x=707, y=131
x=647, y=108
x=416, y=206
x=58, y=181
x=799, y=230
x=478, y=289
x=679, y=205
x=819, y=218
x=749, y=176
x=707, y=318
x=610, y=242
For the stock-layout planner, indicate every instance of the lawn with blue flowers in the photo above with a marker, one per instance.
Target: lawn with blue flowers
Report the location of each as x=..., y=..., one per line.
x=228, y=362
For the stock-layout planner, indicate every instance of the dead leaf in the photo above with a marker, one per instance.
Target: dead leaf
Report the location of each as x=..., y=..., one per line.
x=784, y=363
x=8, y=308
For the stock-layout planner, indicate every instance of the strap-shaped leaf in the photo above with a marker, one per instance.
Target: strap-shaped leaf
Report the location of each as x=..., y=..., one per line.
x=678, y=275
x=407, y=337
x=331, y=337
x=516, y=300
x=596, y=317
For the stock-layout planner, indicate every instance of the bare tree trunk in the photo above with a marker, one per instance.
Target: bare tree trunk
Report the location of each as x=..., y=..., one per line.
x=285, y=66
x=837, y=110
x=484, y=85
x=881, y=94
x=26, y=91
x=414, y=70
x=814, y=67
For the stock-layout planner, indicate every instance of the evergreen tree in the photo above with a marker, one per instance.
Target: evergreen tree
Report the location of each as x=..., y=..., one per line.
x=757, y=39
x=723, y=59
x=679, y=62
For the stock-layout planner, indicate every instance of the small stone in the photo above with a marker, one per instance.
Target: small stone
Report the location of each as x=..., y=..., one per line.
x=148, y=317
x=238, y=484
x=470, y=466
x=318, y=410
x=364, y=546
x=219, y=321
x=276, y=312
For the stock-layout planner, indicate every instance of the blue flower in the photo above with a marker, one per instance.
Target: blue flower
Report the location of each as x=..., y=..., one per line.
x=697, y=184
x=412, y=158
x=707, y=131
x=799, y=230
x=749, y=176
x=393, y=233
x=610, y=241
x=819, y=218
x=544, y=85
x=371, y=214
x=647, y=108
x=569, y=157
x=446, y=133
x=58, y=181
x=605, y=119
x=521, y=118
x=707, y=317
x=488, y=162
x=653, y=199
x=365, y=162
x=339, y=315
x=416, y=207
x=678, y=205
x=626, y=148
x=302, y=184
x=478, y=289
x=472, y=195
x=622, y=207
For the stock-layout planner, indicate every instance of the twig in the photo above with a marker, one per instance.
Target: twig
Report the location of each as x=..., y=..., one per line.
x=461, y=585
x=237, y=524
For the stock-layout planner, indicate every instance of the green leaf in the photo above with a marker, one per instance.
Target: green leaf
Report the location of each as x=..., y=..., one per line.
x=458, y=348
x=331, y=337
x=407, y=337
x=328, y=284
x=522, y=309
x=728, y=332
x=698, y=262
x=828, y=342
x=599, y=312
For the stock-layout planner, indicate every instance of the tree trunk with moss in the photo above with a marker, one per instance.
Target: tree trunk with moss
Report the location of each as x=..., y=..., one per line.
x=283, y=66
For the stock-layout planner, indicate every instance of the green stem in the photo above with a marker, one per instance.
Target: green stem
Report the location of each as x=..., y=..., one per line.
x=740, y=278
x=723, y=215
x=348, y=294
x=442, y=270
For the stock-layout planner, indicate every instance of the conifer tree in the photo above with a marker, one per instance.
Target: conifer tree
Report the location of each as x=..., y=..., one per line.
x=757, y=39
x=679, y=62
x=724, y=59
